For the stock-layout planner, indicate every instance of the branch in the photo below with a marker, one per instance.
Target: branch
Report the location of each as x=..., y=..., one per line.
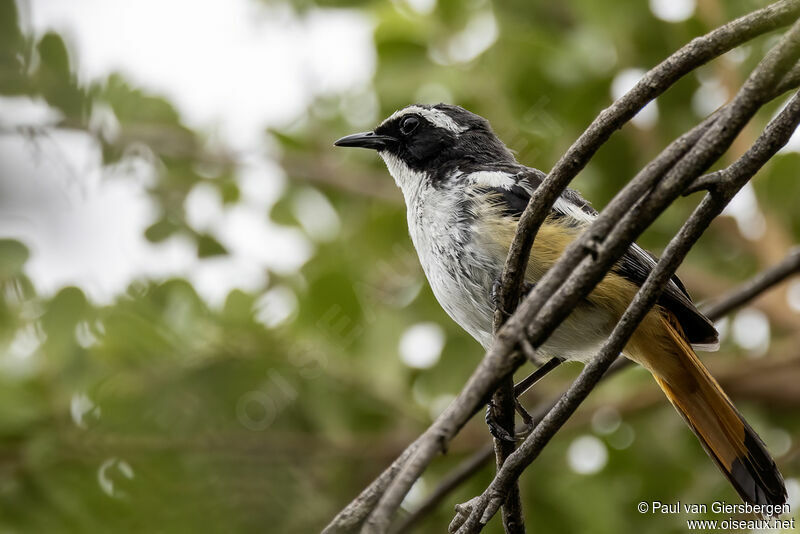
x=790, y=81
x=454, y=479
x=578, y=283
x=638, y=204
x=503, y=409
x=353, y=515
x=741, y=295
x=698, y=52
x=757, y=285
x=769, y=142
x=474, y=463
x=503, y=359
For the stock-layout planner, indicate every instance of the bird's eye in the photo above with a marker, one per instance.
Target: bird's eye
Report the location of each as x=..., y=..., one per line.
x=408, y=125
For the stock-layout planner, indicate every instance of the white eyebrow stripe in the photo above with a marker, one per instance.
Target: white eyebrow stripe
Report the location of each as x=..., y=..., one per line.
x=436, y=117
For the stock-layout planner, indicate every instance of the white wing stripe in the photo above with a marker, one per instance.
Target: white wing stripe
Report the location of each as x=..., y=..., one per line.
x=493, y=179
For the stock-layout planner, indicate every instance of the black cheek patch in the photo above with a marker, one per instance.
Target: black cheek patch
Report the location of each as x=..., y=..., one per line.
x=426, y=145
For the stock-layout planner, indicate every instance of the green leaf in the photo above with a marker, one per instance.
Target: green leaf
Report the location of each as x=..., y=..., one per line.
x=208, y=246
x=13, y=256
x=160, y=230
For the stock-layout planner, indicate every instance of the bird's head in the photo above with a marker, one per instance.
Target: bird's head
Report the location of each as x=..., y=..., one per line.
x=422, y=142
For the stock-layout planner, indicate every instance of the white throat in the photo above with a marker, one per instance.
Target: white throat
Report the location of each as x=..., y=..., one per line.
x=410, y=182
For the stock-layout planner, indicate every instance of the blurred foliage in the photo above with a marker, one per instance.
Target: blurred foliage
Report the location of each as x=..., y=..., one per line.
x=158, y=413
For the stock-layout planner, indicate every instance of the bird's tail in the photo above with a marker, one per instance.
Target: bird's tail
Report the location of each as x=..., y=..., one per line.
x=735, y=447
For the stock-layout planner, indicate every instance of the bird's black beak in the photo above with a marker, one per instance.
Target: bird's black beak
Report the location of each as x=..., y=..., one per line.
x=366, y=140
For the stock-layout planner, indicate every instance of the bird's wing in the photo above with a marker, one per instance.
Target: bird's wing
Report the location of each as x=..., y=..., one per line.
x=513, y=189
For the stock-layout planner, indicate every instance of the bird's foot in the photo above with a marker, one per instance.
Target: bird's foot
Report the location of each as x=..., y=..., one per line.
x=495, y=429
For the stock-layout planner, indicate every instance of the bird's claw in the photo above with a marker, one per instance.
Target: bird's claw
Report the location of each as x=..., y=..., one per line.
x=495, y=429
x=495, y=295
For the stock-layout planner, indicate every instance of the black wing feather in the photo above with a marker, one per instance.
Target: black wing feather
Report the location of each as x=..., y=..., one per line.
x=636, y=265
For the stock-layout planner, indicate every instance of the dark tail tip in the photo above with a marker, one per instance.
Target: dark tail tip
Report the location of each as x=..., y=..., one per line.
x=755, y=476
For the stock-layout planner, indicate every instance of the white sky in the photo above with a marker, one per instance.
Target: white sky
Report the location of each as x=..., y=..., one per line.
x=235, y=64
x=232, y=68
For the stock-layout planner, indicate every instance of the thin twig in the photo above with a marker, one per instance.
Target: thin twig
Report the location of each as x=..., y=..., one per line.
x=760, y=283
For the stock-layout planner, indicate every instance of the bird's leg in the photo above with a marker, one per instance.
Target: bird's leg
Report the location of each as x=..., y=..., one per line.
x=491, y=421
x=528, y=423
x=528, y=382
x=519, y=388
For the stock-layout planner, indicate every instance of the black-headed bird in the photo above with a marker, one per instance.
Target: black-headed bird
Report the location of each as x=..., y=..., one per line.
x=464, y=193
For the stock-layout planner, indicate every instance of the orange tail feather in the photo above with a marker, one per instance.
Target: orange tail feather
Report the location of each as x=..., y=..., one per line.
x=735, y=447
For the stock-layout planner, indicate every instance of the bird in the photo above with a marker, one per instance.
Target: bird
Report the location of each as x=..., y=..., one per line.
x=464, y=193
